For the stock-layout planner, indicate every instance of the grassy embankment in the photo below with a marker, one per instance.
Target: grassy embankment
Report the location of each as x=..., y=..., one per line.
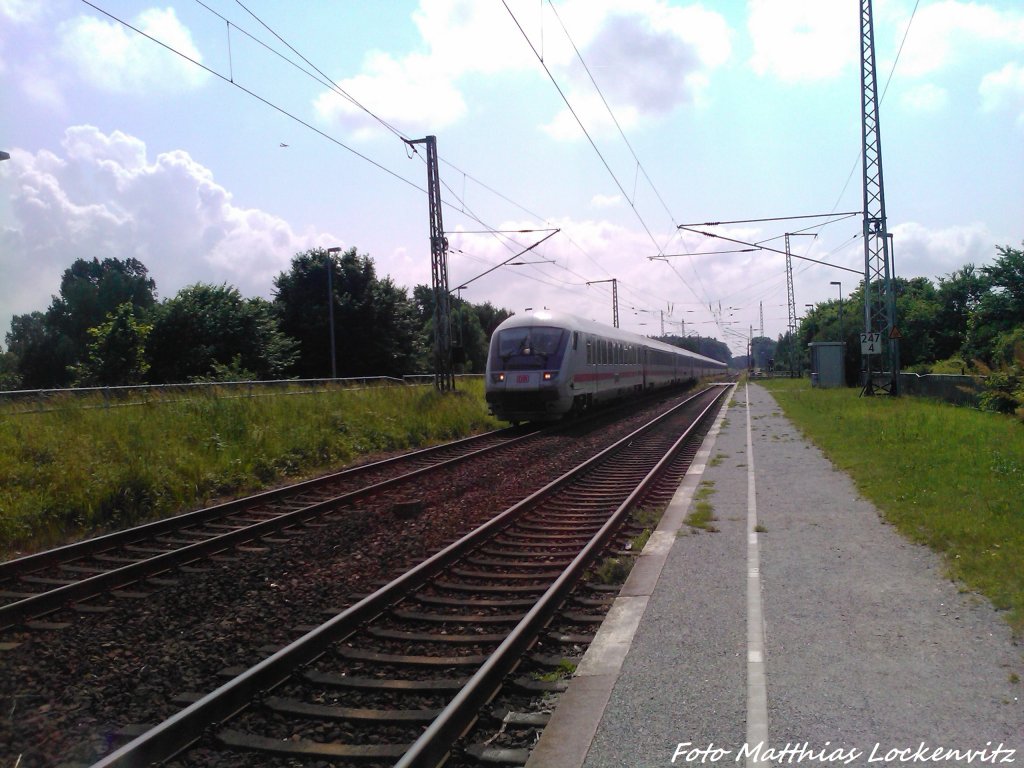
x=951, y=478
x=77, y=469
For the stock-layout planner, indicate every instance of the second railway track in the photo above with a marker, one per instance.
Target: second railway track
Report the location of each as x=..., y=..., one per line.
x=33, y=586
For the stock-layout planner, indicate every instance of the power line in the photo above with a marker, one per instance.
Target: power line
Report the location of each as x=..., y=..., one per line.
x=334, y=85
x=586, y=133
x=773, y=250
x=773, y=218
x=610, y=112
x=640, y=166
x=256, y=96
x=327, y=82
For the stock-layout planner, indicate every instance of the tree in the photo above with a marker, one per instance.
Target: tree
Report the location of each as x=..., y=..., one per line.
x=702, y=345
x=917, y=312
x=116, y=354
x=959, y=294
x=211, y=332
x=10, y=379
x=42, y=358
x=490, y=317
x=472, y=327
x=92, y=290
x=1001, y=309
x=763, y=350
x=376, y=326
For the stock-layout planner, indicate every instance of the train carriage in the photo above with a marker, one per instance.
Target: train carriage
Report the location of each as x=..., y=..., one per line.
x=543, y=364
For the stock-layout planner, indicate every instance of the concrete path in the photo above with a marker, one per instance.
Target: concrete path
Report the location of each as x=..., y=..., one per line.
x=803, y=624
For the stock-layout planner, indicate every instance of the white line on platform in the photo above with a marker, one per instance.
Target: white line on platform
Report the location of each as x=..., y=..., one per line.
x=757, y=686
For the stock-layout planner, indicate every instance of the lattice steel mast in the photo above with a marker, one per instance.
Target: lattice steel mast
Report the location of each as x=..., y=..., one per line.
x=615, y=298
x=791, y=300
x=444, y=371
x=879, y=296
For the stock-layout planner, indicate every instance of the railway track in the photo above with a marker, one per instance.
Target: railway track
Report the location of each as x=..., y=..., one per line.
x=398, y=677
x=36, y=585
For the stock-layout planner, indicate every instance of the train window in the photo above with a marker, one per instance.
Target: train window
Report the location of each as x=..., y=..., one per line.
x=590, y=351
x=528, y=347
x=575, y=340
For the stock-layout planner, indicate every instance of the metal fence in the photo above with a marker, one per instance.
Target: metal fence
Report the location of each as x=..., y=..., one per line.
x=950, y=388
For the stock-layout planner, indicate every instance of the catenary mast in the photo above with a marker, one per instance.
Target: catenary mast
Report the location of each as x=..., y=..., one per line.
x=880, y=346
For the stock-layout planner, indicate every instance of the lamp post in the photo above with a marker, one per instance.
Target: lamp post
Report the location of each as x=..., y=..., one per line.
x=842, y=336
x=330, y=306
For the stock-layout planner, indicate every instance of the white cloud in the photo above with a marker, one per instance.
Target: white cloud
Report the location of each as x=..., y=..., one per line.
x=111, y=57
x=647, y=56
x=410, y=91
x=797, y=40
x=932, y=253
x=926, y=97
x=103, y=197
x=21, y=11
x=1004, y=90
x=606, y=201
x=945, y=32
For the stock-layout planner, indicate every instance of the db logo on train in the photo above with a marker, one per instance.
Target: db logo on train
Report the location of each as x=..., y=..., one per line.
x=523, y=378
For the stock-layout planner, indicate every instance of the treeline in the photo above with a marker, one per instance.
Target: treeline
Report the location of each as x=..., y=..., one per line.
x=106, y=327
x=971, y=321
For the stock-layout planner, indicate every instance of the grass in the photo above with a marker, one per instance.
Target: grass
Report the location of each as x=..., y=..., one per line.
x=951, y=478
x=613, y=570
x=76, y=469
x=703, y=513
x=563, y=671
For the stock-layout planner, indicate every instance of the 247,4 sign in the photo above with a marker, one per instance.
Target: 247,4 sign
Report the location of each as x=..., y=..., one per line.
x=871, y=343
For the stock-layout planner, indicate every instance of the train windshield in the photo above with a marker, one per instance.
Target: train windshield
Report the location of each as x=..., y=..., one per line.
x=528, y=348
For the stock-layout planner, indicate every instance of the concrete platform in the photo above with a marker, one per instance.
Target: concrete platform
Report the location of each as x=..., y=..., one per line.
x=804, y=630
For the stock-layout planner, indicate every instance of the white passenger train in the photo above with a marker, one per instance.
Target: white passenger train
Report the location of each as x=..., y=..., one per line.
x=542, y=365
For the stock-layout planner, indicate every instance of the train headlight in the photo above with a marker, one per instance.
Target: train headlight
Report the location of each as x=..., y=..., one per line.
x=497, y=378
x=550, y=375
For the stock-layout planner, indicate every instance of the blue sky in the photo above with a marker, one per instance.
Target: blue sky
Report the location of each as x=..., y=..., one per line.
x=732, y=110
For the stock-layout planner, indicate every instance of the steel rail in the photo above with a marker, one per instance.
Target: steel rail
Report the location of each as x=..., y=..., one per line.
x=46, y=602
x=182, y=729
x=436, y=741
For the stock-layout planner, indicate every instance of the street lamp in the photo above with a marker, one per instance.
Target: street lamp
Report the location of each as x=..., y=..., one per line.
x=842, y=336
x=330, y=306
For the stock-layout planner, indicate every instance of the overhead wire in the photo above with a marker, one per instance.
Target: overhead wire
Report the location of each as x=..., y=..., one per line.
x=322, y=78
x=329, y=83
x=639, y=165
x=586, y=133
x=255, y=95
x=509, y=243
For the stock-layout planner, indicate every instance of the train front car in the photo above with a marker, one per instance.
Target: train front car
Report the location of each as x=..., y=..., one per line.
x=526, y=367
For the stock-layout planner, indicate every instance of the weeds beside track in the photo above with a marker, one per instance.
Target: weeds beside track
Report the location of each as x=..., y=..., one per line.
x=77, y=469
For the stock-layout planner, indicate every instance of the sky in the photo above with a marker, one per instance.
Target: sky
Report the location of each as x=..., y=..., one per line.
x=614, y=122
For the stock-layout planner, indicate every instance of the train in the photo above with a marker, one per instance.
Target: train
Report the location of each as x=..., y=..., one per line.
x=543, y=365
